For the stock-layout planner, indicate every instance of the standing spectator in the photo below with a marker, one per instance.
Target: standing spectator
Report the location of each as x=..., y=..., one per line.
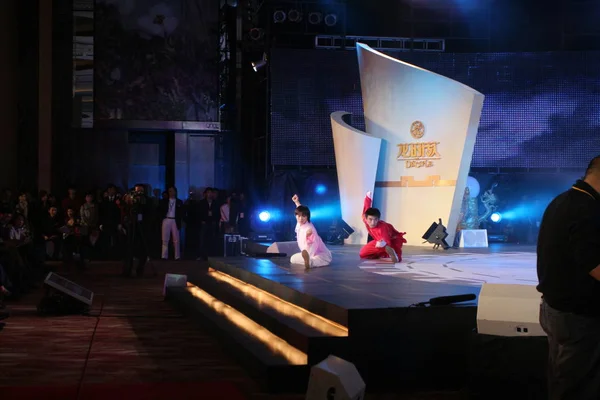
x=110, y=222
x=209, y=216
x=568, y=267
x=171, y=211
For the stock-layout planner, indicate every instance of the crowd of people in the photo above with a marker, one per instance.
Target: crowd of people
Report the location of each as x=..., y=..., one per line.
x=96, y=224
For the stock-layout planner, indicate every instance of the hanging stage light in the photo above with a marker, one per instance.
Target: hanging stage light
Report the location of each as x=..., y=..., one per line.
x=256, y=65
x=330, y=19
x=256, y=34
x=294, y=15
x=315, y=18
x=279, y=17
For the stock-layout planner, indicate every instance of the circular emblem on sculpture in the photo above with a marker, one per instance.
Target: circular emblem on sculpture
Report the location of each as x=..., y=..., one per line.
x=417, y=129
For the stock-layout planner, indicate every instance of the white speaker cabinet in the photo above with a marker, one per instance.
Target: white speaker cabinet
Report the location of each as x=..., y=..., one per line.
x=509, y=310
x=335, y=379
x=473, y=238
x=288, y=248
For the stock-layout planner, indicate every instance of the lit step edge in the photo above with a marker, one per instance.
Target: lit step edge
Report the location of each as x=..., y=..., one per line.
x=322, y=324
x=274, y=343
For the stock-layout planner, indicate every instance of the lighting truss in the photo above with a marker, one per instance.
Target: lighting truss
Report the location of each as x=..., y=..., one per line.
x=380, y=43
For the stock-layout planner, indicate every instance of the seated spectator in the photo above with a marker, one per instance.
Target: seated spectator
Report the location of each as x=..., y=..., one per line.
x=19, y=231
x=89, y=229
x=5, y=225
x=71, y=201
x=7, y=204
x=50, y=233
x=22, y=206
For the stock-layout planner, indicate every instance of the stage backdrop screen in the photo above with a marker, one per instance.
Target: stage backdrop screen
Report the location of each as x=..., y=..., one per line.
x=540, y=109
x=156, y=61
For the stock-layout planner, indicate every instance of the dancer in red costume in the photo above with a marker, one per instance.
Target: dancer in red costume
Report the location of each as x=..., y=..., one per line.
x=387, y=241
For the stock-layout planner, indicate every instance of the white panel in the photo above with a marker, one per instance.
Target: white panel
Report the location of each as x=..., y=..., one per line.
x=509, y=310
x=396, y=94
x=473, y=238
x=334, y=378
x=356, y=158
x=201, y=153
x=288, y=248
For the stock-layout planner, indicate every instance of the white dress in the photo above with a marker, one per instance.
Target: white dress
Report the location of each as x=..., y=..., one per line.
x=320, y=256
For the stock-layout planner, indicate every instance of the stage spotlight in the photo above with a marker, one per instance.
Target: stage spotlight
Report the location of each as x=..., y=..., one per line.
x=256, y=34
x=261, y=225
x=320, y=189
x=330, y=19
x=436, y=234
x=256, y=65
x=279, y=17
x=264, y=216
x=496, y=217
x=294, y=15
x=315, y=18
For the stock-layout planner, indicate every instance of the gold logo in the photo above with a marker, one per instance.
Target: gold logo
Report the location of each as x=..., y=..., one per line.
x=417, y=129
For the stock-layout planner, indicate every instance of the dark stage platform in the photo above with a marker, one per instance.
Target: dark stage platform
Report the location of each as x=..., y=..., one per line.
x=370, y=306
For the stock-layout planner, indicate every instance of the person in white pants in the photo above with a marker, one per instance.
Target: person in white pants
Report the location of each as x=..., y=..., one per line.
x=313, y=252
x=171, y=210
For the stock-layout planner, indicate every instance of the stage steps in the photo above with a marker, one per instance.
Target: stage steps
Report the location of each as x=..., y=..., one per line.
x=265, y=278
x=305, y=333
x=300, y=329
x=273, y=371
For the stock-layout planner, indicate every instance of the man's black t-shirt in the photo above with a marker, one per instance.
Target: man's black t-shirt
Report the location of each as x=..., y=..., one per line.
x=568, y=249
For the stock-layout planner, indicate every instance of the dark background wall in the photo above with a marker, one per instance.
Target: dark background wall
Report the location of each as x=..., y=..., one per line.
x=8, y=94
x=156, y=61
x=540, y=109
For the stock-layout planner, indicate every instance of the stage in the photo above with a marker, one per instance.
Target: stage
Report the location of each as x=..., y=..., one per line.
x=500, y=263
x=371, y=306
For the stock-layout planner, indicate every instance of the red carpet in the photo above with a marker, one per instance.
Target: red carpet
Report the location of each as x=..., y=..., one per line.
x=133, y=391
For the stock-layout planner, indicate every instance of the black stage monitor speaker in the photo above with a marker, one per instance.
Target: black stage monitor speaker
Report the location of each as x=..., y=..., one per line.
x=64, y=297
x=436, y=234
x=338, y=232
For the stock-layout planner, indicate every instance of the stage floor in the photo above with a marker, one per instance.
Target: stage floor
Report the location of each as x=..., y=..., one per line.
x=501, y=263
x=351, y=283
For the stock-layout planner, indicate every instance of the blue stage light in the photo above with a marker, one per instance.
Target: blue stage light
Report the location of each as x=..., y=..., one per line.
x=264, y=216
x=496, y=217
x=320, y=189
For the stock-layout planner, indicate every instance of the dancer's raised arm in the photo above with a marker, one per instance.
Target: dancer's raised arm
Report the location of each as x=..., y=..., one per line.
x=367, y=203
x=296, y=200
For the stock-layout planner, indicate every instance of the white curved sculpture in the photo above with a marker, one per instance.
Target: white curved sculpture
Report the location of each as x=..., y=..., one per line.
x=356, y=158
x=428, y=125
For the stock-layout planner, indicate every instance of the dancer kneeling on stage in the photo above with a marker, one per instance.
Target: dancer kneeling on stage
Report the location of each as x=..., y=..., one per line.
x=387, y=241
x=313, y=252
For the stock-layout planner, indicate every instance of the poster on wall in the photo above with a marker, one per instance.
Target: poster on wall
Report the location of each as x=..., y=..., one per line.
x=156, y=61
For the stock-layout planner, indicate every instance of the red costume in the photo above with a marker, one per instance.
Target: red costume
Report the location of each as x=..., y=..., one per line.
x=383, y=231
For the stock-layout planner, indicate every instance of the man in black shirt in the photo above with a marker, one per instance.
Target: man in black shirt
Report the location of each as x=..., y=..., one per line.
x=568, y=267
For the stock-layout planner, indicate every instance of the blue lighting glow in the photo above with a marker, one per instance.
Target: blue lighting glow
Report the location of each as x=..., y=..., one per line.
x=496, y=217
x=320, y=189
x=264, y=216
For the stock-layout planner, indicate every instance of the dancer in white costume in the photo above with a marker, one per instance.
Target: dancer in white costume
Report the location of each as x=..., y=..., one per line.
x=313, y=252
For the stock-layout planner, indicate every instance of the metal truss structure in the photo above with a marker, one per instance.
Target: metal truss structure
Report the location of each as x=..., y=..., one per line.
x=380, y=43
